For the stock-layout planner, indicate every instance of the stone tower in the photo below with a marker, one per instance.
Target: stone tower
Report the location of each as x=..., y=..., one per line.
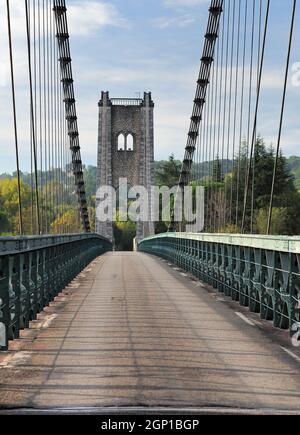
x=126, y=150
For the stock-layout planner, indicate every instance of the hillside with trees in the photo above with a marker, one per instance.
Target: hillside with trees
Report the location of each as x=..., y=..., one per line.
x=224, y=181
x=294, y=166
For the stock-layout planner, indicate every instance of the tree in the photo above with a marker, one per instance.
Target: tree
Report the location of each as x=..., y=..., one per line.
x=124, y=233
x=168, y=172
x=90, y=180
x=9, y=201
x=69, y=220
x=92, y=213
x=217, y=171
x=280, y=221
x=4, y=223
x=286, y=198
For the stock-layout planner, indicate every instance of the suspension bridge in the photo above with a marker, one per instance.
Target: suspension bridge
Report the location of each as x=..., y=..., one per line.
x=205, y=322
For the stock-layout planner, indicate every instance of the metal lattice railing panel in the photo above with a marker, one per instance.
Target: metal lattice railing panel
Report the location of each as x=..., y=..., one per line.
x=34, y=270
x=263, y=275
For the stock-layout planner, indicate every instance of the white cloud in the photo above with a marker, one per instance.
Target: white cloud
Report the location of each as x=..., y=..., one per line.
x=89, y=16
x=183, y=3
x=169, y=74
x=181, y=21
x=138, y=74
x=18, y=26
x=83, y=19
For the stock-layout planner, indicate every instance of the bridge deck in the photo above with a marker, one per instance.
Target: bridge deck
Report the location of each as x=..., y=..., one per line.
x=132, y=332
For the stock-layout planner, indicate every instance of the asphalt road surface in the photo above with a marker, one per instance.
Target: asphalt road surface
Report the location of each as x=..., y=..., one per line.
x=131, y=331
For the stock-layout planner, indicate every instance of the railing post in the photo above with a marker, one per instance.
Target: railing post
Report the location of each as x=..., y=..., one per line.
x=45, y=277
x=14, y=296
x=295, y=292
x=32, y=286
x=24, y=291
x=4, y=303
x=39, y=281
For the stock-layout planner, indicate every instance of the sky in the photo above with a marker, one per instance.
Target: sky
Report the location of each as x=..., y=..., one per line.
x=130, y=46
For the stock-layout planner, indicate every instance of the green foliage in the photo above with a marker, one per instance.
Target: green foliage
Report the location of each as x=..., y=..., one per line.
x=90, y=180
x=67, y=221
x=9, y=203
x=208, y=170
x=229, y=229
x=286, y=198
x=92, y=213
x=54, y=207
x=220, y=179
x=4, y=223
x=10, y=197
x=294, y=166
x=167, y=172
x=124, y=233
x=217, y=175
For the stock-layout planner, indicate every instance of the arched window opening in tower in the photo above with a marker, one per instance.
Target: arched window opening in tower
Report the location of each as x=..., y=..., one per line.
x=121, y=142
x=130, y=143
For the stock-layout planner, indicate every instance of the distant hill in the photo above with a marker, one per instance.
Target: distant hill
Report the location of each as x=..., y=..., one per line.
x=292, y=162
x=294, y=166
x=201, y=169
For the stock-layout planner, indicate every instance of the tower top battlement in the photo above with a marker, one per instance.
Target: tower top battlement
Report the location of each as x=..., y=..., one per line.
x=126, y=102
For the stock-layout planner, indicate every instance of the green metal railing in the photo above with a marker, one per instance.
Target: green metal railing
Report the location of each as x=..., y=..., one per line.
x=262, y=273
x=33, y=270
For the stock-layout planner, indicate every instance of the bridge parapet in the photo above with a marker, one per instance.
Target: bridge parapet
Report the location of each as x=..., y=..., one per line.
x=14, y=245
x=34, y=270
x=259, y=272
